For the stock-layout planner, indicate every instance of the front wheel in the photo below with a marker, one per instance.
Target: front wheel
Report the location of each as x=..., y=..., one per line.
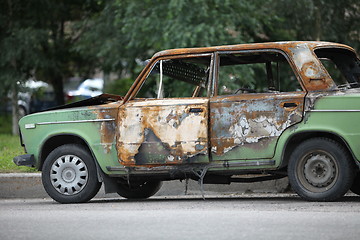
x=139, y=190
x=320, y=169
x=69, y=174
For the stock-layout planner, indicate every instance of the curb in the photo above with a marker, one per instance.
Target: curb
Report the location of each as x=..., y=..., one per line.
x=29, y=185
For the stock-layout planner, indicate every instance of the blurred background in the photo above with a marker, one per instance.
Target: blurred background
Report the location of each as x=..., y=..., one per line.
x=58, y=51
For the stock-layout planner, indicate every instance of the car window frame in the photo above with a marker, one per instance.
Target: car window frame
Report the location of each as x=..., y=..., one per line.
x=323, y=68
x=140, y=80
x=217, y=66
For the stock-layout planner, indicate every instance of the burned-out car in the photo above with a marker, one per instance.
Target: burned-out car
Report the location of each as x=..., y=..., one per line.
x=216, y=114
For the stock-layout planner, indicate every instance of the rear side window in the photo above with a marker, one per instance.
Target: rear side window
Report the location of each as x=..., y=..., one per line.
x=342, y=65
x=255, y=72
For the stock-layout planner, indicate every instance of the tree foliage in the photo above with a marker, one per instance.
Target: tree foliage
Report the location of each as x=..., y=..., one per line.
x=37, y=38
x=326, y=20
x=131, y=29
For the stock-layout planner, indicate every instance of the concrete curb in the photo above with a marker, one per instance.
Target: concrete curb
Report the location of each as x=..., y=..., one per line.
x=28, y=185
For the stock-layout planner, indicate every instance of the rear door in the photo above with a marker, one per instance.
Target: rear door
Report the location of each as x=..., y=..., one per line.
x=259, y=97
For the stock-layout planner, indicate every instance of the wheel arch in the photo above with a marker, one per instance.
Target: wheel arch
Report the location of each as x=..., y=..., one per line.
x=56, y=141
x=299, y=137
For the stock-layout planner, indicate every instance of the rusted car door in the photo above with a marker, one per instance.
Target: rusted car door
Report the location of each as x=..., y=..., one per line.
x=163, y=132
x=247, y=126
x=245, y=123
x=171, y=126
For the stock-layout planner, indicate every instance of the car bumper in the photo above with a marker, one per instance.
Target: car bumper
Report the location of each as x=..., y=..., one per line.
x=25, y=160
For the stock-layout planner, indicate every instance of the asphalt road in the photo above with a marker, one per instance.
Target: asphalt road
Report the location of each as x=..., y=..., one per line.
x=255, y=216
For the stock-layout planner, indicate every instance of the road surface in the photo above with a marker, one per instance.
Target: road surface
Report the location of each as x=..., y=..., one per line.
x=248, y=216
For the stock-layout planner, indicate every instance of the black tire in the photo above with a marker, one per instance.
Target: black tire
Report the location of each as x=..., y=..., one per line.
x=320, y=169
x=140, y=190
x=355, y=187
x=69, y=174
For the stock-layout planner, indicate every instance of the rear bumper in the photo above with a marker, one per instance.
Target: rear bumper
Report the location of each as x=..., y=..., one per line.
x=25, y=160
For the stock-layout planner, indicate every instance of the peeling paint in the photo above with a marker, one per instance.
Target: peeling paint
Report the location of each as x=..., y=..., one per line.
x=245, y=120
x=107, y=128
x=168, y=131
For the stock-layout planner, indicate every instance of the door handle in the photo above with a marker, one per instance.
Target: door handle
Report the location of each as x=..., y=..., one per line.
x=290, y=105
x=196, y=110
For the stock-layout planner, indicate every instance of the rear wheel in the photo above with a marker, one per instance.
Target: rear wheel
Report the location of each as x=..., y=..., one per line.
x=139, y=190
x=69, y=174
x=320, y=169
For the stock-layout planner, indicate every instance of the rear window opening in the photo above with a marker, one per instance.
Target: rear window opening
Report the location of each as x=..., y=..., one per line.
x=342, y=65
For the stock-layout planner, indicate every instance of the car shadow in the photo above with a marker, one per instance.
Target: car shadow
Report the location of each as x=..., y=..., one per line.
x=282, y=198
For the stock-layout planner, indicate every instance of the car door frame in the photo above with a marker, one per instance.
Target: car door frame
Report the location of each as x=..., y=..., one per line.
x=171, y=113
x=238, y=147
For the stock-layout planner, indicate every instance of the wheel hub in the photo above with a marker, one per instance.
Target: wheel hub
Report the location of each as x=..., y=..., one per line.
x=69, y=174
x=319, y=170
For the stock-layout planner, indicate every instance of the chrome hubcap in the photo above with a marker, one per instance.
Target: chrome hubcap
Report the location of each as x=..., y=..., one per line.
x=69, y=174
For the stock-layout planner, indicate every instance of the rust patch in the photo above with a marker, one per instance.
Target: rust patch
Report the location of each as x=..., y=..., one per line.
x=313, y=76
x=252, y=119
x=162, y=132
x=107, y=128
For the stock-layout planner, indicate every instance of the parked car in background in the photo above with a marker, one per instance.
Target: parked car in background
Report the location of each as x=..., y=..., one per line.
x=33, y=96
x=217, y=115
x=87, y=89
x=42, y=96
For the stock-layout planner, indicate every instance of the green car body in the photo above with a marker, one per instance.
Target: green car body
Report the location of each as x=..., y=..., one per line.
x=308, y=132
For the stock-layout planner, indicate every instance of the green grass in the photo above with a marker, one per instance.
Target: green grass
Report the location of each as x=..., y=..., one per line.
x=9, y=148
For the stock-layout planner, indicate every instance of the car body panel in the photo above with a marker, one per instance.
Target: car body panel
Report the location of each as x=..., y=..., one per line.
x=163, y=132
x=331, y=112
x=95, y=125
x=244, y=123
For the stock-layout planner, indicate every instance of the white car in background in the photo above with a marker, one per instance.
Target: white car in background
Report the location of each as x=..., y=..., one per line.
x=87, y=89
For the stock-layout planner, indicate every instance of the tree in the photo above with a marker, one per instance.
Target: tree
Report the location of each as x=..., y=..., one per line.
x=19, y=42
x=36, y=39
x=58, y=21
x=127, y=30
x=330, y=20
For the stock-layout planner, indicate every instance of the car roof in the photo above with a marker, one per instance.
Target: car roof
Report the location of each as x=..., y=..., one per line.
x=285, y=46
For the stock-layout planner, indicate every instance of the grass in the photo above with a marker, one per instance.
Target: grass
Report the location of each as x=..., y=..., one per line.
x=9, y=148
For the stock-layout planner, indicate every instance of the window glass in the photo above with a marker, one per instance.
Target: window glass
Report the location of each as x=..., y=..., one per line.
x=185, y=77
x=256, y=72
x=342, y=65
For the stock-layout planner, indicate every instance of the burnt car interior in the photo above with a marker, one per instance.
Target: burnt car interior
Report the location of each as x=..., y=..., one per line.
x=255, y=72
x=184, y=77
x=342, y=65
x=250, y=72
